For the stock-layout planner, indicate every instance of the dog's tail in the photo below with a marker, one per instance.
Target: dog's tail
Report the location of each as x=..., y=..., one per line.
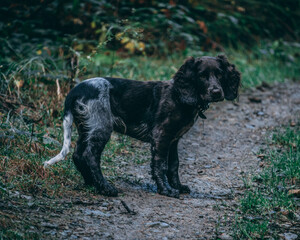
x=67, y=124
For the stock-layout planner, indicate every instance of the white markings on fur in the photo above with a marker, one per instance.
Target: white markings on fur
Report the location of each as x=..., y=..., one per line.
x=119, y=123
x=67, y=124
x=96, y=113
x=100, y=83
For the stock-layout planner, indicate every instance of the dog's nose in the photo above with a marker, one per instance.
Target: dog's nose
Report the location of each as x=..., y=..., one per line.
x=216, y=93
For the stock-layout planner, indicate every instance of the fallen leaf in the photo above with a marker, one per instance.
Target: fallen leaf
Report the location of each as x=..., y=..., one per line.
x=294, y=192
x=202, y=26
x=119, y=35
x=141, y=46
x=130, y=46
x=254, y=99
x=261, y=164
x=93, y=24
x=261, y=156
x=125, y=40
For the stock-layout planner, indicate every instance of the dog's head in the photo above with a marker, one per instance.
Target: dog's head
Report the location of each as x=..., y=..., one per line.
x=206, y=79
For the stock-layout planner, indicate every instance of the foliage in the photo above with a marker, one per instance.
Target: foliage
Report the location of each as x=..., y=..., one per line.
x=41, y=42
x=268, y=201
x=154, y=27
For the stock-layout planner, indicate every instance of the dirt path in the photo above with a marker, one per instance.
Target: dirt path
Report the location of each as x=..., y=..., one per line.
x=214, y=158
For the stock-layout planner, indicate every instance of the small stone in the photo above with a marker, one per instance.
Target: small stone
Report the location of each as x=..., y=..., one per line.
x=249, y=126
x=26, y=197
x=30, y=204
x=152, y=224
x=225, y=236
x=260, y=113
x=96, y=213
x=157, y=224
x=289, y=236
x=49, y=225
x=164, y=225
x=208, y=166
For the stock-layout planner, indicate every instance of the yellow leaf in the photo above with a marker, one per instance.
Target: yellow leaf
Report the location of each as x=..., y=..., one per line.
x=78, y=47
x=93, y=25
x=130, y=46
x=141, y=46
x=125, y=40
x=19, y=83
x=202, y=26
x=77, y=21
x=119, y=35
x=39, y=52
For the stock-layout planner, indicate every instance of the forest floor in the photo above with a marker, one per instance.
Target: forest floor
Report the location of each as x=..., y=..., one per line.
x=216, y=155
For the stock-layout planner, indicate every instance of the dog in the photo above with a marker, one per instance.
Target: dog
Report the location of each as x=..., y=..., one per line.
x=157, y=112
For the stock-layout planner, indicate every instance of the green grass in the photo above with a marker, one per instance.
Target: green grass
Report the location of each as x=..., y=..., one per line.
x=267, y=62
x=267, y=201
x=22, y=158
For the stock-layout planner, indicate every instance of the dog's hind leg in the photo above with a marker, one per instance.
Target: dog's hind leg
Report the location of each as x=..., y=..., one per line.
x=95, y=125
x=172, y=172
x=80, y=162
x=91, y=156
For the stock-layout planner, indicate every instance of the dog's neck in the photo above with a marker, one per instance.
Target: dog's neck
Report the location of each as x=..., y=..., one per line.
x=201, y=107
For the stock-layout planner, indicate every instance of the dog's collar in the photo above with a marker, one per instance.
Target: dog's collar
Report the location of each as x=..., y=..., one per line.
x=202, y=109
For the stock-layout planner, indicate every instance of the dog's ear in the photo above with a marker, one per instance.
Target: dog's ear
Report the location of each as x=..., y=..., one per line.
x=231, y=79
x=184, y=82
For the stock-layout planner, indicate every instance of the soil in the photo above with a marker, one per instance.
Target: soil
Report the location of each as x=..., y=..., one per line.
x=215, y=156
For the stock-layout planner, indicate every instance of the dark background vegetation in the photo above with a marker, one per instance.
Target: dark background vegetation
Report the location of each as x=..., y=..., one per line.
x=39, y=38
x=55, y=30
x=46, y=46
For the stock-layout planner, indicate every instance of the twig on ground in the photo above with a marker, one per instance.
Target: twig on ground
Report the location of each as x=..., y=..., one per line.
x=127, y=208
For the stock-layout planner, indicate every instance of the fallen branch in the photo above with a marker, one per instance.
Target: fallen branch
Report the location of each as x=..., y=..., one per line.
x=127, y=208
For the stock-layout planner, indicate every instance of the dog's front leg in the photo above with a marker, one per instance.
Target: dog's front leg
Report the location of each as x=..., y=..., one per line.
x=159, y=165
x=172, y=173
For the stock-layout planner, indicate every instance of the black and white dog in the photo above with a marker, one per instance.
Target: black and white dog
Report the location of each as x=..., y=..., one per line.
x=158, y=112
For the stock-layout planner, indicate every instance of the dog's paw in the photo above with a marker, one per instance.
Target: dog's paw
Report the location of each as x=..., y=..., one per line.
x=171, y=192
x=108, y=190
x=184, y=189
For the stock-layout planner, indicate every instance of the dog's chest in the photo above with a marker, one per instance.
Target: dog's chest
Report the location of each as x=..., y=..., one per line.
x=184, y=129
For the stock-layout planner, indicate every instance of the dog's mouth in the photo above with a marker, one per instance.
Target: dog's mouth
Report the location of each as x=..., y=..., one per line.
x=231, y=97
x=209, y=99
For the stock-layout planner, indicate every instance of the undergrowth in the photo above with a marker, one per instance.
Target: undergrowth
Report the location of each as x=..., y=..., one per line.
x=269, y=205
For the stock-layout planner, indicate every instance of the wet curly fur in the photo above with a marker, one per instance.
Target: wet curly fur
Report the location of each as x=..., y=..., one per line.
x=158, y=112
